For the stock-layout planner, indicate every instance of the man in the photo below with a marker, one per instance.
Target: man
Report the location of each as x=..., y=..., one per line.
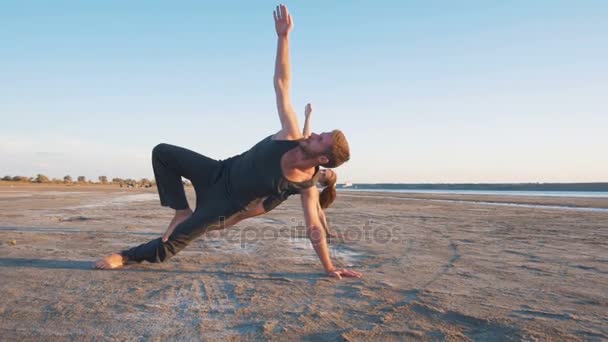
x=248, y=184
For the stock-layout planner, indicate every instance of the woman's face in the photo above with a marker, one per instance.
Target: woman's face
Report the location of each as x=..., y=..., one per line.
x=325, y=175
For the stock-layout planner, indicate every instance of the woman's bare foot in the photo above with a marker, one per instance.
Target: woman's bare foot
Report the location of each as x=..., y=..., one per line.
x=110, y=262
x=180, y=216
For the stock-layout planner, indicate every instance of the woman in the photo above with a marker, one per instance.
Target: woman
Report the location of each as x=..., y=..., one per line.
x=327, y=179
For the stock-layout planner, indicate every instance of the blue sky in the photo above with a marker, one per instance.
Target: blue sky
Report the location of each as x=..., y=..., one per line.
x=426, y=91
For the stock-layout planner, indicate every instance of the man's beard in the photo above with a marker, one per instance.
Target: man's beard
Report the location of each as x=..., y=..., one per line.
x=306, y=151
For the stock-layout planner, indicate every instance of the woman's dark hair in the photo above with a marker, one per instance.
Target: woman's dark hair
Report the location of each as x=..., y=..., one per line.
x=328, y=195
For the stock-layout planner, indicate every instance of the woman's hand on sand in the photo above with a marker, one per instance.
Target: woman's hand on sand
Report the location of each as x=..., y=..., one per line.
x=308, y=110
x=282, y=20
x=339, y=273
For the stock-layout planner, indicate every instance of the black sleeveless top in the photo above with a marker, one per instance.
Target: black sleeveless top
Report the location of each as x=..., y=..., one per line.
x=257, y=173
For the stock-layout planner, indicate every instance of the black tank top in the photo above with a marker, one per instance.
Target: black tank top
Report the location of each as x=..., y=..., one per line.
x=257, y=173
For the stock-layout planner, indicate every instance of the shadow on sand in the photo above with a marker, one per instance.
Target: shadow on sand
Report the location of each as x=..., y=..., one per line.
x=144, y=267
x=63, y=230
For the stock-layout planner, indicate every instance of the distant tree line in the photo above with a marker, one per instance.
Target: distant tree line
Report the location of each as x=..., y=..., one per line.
x=67, y=179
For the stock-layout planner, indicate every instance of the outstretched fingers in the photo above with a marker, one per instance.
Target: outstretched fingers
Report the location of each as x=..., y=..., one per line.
x=358, y=274
x=349, y=273
x=281, y=14
x=282, y=20
x=308, y=109
x=345, y=273
x=335, y=275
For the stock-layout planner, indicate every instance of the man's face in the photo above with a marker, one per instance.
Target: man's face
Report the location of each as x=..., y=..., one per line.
x=316, y=144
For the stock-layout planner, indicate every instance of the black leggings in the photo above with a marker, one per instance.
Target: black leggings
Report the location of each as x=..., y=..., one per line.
x=170, y=164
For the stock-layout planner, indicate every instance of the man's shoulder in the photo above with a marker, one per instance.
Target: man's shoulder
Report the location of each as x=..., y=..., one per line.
x=282, y=136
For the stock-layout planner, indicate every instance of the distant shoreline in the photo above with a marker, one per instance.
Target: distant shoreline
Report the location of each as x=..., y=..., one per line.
x=389, y=187
x=579, y=187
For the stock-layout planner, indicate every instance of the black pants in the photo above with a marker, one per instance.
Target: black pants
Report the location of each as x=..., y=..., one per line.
x=207, y=175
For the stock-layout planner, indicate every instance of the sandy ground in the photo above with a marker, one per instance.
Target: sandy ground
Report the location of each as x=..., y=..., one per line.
x=433, y=270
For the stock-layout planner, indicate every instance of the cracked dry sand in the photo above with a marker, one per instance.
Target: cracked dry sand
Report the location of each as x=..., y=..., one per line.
x=433, y=270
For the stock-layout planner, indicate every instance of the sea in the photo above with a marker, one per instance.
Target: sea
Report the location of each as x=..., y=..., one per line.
x=590, y=194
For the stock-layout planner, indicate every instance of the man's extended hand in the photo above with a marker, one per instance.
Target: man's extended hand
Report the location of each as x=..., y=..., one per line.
x=282, y=20
x=339, y=273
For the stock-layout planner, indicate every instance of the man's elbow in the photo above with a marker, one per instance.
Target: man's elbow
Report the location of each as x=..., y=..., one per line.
x=281, y=84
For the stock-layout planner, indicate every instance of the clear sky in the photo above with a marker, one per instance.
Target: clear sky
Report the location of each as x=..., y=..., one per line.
x=426, y=91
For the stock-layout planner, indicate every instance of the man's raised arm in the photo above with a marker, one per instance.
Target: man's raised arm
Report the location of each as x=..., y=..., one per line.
x=316, y=234
x=290, y=129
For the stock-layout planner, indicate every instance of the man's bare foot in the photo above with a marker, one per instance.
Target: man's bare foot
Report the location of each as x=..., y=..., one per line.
x=180, y=216
x=110, y=262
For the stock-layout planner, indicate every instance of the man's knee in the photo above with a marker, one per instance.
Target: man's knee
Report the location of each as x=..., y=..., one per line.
x=160, y=149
